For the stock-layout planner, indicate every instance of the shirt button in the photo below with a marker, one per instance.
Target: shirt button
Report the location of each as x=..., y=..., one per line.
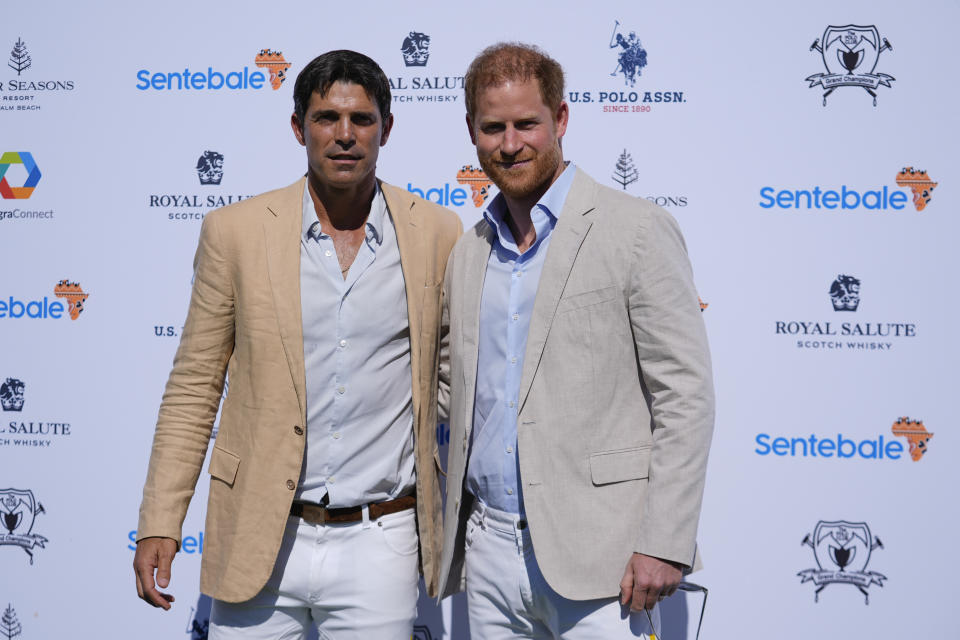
x=291, y=485
x=327, y=253
x=509, y=449
x=341, y=390
x=516, y=317
x=343, y=343
x=298, y=430
x=513, y=359
x=512, y=404
x=336, y=435
x=509, y=492
x=330, y=479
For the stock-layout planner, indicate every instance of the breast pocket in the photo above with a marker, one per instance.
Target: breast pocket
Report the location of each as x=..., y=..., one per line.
x=587, y=299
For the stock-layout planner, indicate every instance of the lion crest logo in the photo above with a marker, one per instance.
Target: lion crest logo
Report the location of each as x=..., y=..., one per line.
x=416, y=49
x=845, y=293
x=210, y=167
x=11, y=394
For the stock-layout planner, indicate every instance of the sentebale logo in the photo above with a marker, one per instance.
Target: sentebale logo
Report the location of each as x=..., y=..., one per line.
x=215, y=80
x=478, y=181
x=10, y=158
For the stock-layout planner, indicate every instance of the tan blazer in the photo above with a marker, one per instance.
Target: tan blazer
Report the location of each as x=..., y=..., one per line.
x=616, y=395
x=245, y=316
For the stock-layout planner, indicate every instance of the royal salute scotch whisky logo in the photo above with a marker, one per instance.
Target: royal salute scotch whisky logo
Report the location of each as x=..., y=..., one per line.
x=26, y=431
x=25, y=158
x=445, y=86
x=844, y=199
x=11, y=394
x=635, y=94
x=21, y=87
x=182, y=206
x=18, y=512
x=842, y=551
x=850, y=54
x=876, y=334
x=210, y=79
x=919, y=183
x=916, y=434
x=210, y=167
x=416, y=49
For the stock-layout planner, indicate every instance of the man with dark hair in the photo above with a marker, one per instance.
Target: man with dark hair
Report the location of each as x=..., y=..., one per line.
x=581, y=397
x=322, y=301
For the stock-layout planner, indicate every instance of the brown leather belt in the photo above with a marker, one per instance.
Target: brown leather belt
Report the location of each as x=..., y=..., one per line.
x=321, y=514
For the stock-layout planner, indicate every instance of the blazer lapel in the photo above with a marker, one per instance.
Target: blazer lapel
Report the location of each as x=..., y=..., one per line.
x=413, y=262
x=571, y=229
x=477, y=254
x=281, y=228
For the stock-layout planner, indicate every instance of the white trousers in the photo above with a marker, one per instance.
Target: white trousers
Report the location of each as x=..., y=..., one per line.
x=353, y=581
x=508, y=597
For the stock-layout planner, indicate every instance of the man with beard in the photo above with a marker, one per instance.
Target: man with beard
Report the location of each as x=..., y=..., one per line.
x=581, y=406
x=323, y=300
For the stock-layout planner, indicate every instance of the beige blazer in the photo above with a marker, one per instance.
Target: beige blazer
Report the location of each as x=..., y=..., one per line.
x=244, y=317
x=616, y=398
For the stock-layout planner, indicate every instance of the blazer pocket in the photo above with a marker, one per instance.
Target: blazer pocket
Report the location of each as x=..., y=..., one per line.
x=607, y=467
x=587, y=299
x=224, y=465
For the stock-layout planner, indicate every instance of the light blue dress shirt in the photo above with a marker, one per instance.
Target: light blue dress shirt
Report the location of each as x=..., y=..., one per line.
x=356, y=349
x=509, y=289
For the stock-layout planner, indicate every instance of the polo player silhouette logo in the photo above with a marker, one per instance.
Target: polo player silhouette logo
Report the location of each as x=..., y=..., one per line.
x=631, y=59
x=850, y=54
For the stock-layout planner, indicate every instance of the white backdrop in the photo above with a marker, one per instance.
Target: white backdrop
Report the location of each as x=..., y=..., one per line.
x=116, y=211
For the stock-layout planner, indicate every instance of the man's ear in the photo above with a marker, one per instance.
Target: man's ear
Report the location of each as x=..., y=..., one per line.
x=297, y=128
x=473, y=138
x=563, y=116
x=387, y=127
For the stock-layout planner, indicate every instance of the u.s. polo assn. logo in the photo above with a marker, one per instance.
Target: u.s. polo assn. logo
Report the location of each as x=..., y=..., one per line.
x=842, y=551
x=850, y=54
x=18, y=510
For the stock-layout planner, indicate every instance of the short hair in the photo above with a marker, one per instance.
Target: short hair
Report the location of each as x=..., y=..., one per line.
x=506, y=61
x=342, y=65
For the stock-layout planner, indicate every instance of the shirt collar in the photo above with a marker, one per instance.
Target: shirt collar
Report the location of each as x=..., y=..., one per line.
x=374, y=226
x=544, y=213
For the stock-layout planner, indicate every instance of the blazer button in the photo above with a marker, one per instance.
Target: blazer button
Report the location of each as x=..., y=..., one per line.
x=298, y=430
x=291, y=485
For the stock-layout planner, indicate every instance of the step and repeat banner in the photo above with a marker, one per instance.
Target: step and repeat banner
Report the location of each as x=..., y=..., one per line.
x=808, y=151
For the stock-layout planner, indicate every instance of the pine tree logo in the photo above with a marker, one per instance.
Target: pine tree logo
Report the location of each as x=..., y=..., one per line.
x=19, y=57
x=9, y=625
x=625, y=173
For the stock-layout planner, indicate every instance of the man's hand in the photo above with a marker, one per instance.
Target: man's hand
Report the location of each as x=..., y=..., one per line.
x=647, y=580
x=154, y=553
